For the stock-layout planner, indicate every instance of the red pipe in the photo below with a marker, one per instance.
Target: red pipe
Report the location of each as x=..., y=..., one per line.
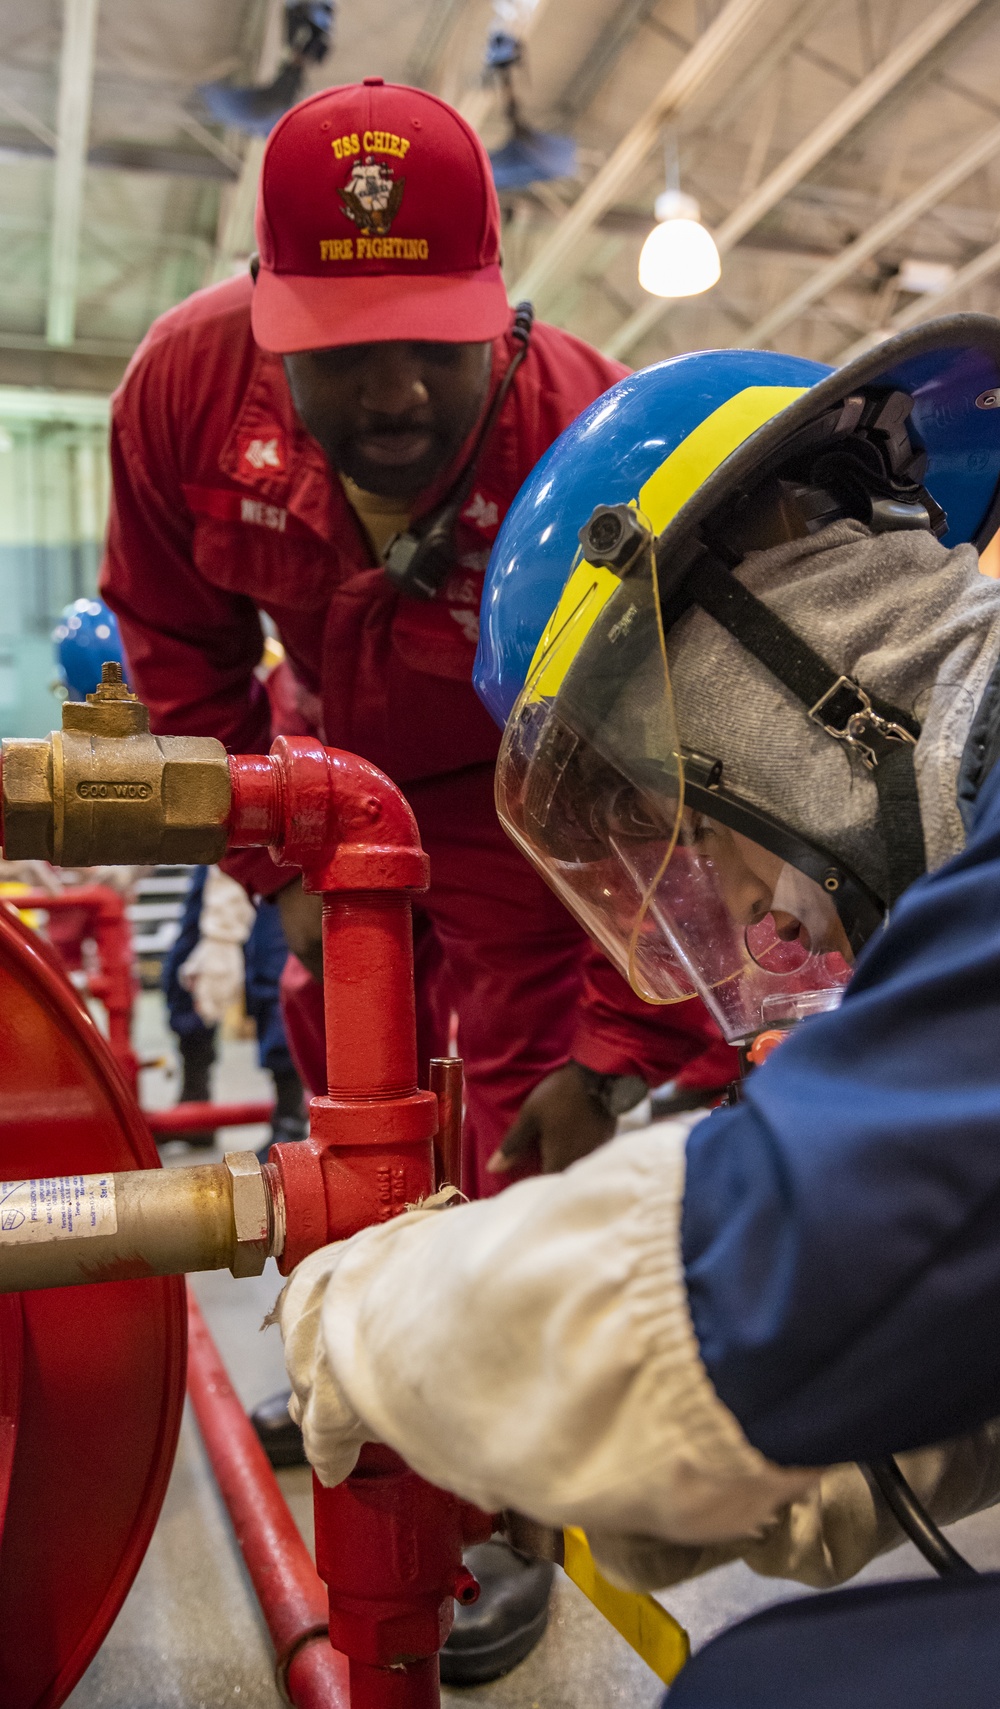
x=192, y=1117
x=255, y=805
x=292, y=1597
x=371, y=1040
x=388, y=1545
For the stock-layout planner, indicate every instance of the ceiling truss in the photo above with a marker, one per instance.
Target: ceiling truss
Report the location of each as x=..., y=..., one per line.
x=826, y=140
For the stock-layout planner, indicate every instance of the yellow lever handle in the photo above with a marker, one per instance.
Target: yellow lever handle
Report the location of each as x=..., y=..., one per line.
x=653, y=1633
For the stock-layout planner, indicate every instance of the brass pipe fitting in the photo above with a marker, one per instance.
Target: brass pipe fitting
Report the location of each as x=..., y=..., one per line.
x=147, y=1222
x=104, y=789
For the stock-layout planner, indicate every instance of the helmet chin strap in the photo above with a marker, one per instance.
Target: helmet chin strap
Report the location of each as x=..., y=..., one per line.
x=883, y=737
x=872, y=474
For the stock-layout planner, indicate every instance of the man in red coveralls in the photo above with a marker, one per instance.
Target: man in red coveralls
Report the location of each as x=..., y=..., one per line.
x=271, y=437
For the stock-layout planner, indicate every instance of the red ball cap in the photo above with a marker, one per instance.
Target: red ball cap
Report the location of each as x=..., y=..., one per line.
x=377, y=219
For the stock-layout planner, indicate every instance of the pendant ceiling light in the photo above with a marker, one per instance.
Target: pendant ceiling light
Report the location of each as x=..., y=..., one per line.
x=679, y=257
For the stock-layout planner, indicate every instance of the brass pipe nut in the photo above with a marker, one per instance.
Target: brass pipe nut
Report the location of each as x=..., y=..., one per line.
x=27, y=799
x=251, y=1213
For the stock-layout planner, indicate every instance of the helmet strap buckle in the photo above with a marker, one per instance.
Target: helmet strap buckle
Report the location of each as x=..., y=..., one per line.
x=846, y=713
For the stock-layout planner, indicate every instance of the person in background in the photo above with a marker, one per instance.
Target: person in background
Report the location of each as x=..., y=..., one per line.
x=227, y=952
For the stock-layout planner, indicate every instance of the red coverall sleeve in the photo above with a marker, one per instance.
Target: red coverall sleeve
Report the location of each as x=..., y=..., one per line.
x=191, y=647
x=617, y=1033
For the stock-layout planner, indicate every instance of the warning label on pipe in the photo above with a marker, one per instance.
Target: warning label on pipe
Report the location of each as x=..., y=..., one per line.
x=63, y=1208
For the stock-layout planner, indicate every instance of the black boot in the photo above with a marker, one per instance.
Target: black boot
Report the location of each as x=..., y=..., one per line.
x=491, y=1636
x=197, y=1052
x=289, y=1121
x=280, y=1436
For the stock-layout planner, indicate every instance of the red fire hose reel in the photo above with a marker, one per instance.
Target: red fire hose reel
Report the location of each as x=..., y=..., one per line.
x=92, y=1376
x=91, y=1379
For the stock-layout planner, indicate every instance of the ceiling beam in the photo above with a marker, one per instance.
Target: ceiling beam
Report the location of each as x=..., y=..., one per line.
x=815, y=147
x=596, y=68
x=76, y=83
x=123, y=156
x=234, y=237
x=763, y=65
x=61, y=369
x=439, y=21
x=980, y=267
x=117, y=349
x=934, y=190
x=562, y=254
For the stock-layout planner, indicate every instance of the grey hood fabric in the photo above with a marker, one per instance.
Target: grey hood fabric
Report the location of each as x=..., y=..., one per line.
x=912, y=622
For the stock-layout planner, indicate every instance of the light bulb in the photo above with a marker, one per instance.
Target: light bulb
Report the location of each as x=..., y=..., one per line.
x=679, y=257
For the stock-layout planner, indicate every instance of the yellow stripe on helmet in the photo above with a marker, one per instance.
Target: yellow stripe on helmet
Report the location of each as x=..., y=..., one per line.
x=692, y=461
x=582, y=599
x=665, y=493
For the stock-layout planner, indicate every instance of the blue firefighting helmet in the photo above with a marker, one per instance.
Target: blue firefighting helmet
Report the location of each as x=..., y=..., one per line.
x=637, y=514
x=85, y=638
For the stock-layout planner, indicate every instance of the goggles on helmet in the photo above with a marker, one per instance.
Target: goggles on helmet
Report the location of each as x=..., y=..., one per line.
x=689, y=889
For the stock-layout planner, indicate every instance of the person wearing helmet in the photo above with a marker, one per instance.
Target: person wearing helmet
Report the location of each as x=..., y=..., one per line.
x=332, y=442
x=85, y=636
x=751, y=742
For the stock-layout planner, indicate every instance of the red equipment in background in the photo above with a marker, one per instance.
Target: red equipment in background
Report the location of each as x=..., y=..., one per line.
x=91, y=1378
x=105, y=922
x=97, y=912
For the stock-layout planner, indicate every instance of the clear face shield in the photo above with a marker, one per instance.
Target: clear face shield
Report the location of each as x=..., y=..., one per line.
x=689, y=891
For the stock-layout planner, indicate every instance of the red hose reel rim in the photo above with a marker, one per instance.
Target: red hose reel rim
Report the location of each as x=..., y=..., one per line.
x=91, y=1378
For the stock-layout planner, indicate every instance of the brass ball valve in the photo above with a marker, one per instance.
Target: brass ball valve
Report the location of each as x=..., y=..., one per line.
x=104, y=788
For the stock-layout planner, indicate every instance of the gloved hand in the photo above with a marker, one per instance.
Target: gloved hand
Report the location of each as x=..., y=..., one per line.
x=566, y=1117
x=215, y=974
x=331, y=1431
x=302, y=923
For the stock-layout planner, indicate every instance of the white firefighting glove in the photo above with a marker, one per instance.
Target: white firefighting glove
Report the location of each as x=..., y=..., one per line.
x=833, y=1530
x=535, y=1351
x=214, y=972
x=331, y=1431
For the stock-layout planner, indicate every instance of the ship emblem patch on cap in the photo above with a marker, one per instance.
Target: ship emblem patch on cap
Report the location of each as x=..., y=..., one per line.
x=372, y=196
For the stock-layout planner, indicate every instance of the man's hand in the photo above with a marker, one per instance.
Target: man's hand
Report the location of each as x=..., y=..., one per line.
x=562, y=1120
x=302, y=923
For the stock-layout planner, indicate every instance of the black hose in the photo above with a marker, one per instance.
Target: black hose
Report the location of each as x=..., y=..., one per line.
x=917, y=1522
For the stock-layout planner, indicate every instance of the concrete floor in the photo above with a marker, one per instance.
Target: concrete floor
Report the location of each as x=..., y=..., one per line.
x=189, y=1635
